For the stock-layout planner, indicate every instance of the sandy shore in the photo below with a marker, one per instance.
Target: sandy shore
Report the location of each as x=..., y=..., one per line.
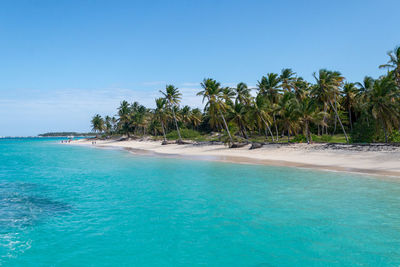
x=358, y=159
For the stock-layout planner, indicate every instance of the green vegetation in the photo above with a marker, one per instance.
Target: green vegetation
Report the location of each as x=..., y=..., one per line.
x=185, y=134
x=282, y=108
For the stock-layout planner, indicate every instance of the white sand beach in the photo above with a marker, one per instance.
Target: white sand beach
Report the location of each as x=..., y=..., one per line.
x=378, y=160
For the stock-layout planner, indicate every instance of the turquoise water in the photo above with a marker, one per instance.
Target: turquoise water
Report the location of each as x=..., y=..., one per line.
x=79, y=206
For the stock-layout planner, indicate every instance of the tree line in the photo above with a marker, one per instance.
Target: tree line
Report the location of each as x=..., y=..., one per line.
x=282, y=106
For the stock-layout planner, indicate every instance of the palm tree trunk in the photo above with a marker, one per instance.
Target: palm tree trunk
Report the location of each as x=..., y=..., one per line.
x=276, y=129
x=307, y=133
x=324, y=120
x=269, y=129
x=163, y=131
x=226, y=126
x=397, y=74
x=384, y=130
x=176, y=124
x=334, y=130
x=340, y=121
x=245, y=132
x=350, y=121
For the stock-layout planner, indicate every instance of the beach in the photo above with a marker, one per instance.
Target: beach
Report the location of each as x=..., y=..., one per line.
x=367, y=159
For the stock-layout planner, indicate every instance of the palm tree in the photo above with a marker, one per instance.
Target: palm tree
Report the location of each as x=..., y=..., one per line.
x=287, y=79
x=261, y=111
x=173, y=98
x=227, y=94
x=308, y=112
x=242, y=94
x=366, y=85
x=269, y=87
x=159, y=114
x=287, y=114
x=239, y=115
x=394, y=63
x=196, y=117
x=384, y=105
x=114, y=124
x=214, y=95
x=349, y=98
x=97, y=124
x=363, y=91
x=124, y=112
x=108, y=124
x=141, y=118
x=186, y=115
x=301, y=88
x=328, y=90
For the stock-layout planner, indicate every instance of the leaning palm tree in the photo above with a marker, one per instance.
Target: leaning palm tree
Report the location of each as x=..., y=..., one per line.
x=173, y=98
x=394, y=63
x=212, y=92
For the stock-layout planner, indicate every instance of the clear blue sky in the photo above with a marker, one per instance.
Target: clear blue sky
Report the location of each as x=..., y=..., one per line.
x=63, y=61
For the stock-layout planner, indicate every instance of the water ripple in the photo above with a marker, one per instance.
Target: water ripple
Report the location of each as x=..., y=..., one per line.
x=21, y=207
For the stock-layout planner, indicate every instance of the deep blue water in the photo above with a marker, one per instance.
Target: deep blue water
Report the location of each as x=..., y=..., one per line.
x=66, y=205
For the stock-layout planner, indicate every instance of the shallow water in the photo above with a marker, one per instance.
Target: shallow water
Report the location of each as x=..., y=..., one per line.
x=66, y=205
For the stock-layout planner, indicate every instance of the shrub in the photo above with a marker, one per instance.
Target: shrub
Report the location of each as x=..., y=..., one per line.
x=299, y=139
x=185, y=133
x=326, y=138
x=394, y=137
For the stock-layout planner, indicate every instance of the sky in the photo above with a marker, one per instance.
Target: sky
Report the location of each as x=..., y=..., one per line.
x=61, y=62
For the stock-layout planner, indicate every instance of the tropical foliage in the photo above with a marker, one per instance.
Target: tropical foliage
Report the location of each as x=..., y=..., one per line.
x=281, y=107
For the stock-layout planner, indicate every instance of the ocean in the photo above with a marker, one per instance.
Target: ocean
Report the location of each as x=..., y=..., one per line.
x=63, y=205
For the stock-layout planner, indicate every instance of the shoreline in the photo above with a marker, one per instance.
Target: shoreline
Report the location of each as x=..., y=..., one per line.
x=314, y=156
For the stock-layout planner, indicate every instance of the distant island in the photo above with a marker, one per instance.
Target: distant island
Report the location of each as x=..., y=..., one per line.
x=65, y=134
